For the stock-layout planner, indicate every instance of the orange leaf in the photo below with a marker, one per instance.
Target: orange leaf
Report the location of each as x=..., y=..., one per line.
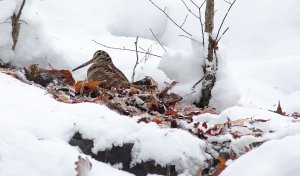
x=157, y=120
x=66, y=73
x=169, y=112
x=221, y=165
x=89, y=86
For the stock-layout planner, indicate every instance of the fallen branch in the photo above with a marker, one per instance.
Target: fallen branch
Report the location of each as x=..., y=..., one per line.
x=126, y=49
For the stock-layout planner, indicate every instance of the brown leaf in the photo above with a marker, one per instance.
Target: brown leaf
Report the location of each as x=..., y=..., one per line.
x=83, y=166
x=66, y=73
x=204, y=125
x=279, y=110
x=222, y=164
x=157, y=120
x=152, y=102
x=166, y=89
x=89, y=86
x=169, y=112
x=196, y=124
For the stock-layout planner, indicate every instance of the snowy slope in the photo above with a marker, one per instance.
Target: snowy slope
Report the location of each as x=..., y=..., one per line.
x=34, y=124
x=259, y=63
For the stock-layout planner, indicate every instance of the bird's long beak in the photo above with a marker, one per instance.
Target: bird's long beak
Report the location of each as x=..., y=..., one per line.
x=84, y=64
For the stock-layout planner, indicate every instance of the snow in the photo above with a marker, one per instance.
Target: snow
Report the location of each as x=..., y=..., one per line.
x=43, y=127
x=258, y=66
x=276, y=157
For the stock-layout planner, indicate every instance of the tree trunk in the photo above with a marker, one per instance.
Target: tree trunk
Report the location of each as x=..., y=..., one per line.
x=210, y=61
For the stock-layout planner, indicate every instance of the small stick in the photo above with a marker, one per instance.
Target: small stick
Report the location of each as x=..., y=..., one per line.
x=184, y=20
x=200, y=18
x=189, y=9
x=198, y=82
x=125, y=49
x=137, y=58
x=223, y=34
x=190, y=38
x=157, y=40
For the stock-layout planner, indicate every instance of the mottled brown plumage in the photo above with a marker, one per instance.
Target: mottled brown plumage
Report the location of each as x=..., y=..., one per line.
x=102, y=68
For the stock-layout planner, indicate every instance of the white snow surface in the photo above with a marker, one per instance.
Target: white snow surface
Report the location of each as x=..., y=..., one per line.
x=258, y=66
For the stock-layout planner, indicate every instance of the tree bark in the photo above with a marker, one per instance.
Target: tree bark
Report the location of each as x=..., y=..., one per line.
x=210, y=62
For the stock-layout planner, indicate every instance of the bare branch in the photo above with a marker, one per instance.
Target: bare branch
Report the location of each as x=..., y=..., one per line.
x=199, y=17
x=227, y=2
x=157, y=40
x=184, y=20
x=223, y=34
x=202, y=31
x=190, y=38
x=163, y=11
x=137, y=58
x=198, y=82
x=190, y=9
x=125, y=49
x=224, y=19
x=199, y=7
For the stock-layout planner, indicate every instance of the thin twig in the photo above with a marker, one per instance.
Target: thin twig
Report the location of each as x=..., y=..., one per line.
x=224, y=19
x=157, y=40
x=188, y=37
x=50, y=66
x=188, y=94
x=184, y=20
x=187, y=7
x=223, y=34
x=198, y=82
x=227, y=2
x=2, y=61
x=137, y=58
x=202, y=31
x=125, y=49
x=163, y=11
x=197, y=5
x=200, y=18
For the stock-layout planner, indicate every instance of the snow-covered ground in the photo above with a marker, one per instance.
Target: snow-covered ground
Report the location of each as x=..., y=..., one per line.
x=259, y=62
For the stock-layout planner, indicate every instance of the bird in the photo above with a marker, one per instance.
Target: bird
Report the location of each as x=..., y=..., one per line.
x=103, y=69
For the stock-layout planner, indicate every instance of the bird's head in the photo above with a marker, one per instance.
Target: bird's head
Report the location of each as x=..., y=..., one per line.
x=99, y=56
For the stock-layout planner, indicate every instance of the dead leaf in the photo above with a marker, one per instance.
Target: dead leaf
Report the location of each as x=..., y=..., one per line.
x=89, y=86
x=157, y=120
x=63, y=74
x=222, y=163
x=166, y=89
x=279, y=110
x=83, y=166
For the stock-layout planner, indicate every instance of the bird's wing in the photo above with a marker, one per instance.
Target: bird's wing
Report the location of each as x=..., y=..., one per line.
x=106, y=72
